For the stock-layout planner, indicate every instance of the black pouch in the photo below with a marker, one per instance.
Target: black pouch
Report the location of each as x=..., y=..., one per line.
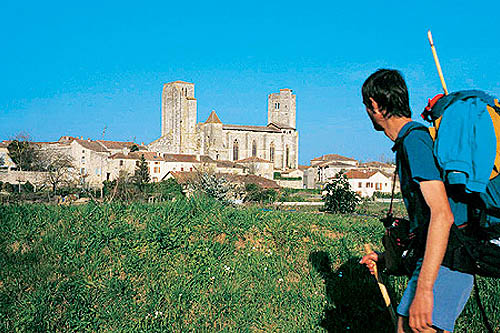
x=402, y=249
x=474, y=250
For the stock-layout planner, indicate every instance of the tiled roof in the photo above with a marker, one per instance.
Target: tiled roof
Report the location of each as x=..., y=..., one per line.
x=228, y=164
x=304, y=167
x=136, y=155
x=92, y=145
x=335, y=164
x=356, y=174
x=333, y=157
x=213, y=118
x=376, y=164
x=250, y=128
x=119, y=144
x=253, y=159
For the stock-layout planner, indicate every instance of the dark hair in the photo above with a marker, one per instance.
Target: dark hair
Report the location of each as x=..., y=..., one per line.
x=388, y=88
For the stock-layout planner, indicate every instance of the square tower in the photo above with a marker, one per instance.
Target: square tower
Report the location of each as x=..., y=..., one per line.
x=281, y=108
x=178, y=115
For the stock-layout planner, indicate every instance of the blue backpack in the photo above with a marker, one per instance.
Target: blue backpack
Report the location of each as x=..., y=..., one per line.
x=466, y=134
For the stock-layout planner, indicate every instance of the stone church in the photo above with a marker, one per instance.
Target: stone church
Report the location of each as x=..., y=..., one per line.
x=277, y=142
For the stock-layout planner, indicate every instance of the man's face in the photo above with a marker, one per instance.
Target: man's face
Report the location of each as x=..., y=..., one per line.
x=370, y=112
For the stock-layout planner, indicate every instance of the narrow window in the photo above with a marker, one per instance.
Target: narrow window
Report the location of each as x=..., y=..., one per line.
x=287, y=157
x=271, y=152
x=235, y=150
x=254, y=148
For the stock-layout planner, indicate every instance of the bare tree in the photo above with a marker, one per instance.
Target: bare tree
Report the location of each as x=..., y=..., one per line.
x=58, y=166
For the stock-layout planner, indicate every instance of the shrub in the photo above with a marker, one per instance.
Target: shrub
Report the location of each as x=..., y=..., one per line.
x=216, y=187
x=256, y=193
x=27, y=187
x=338, y=196
x=8, y=187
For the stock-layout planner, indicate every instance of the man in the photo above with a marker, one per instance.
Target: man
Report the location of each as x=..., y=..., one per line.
x=435, y=295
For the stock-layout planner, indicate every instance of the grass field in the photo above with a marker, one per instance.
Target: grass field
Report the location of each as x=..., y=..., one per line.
x=194, y=265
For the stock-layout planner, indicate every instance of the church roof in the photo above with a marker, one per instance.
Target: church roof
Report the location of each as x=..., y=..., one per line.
x=280, y=126
x=213, y=119
x=250, y=128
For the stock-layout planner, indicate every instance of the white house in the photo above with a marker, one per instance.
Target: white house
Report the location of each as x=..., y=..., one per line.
x=365, y=183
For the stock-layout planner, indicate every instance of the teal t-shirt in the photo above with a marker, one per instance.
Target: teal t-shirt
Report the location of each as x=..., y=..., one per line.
x=416, y=163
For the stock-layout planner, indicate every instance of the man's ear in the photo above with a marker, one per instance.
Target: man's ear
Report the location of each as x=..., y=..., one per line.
x=376, y=108
x=374, y=105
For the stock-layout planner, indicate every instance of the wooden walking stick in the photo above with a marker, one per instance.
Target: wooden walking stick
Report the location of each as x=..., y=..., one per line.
x=436, y=60
x=383, y=289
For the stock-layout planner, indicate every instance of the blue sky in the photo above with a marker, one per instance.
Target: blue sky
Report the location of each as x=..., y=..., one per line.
x=71, y=68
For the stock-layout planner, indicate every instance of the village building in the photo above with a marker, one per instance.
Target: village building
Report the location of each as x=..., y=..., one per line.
x=6, y=162
x=293, y=178
x=366, y=183
x=277, y=142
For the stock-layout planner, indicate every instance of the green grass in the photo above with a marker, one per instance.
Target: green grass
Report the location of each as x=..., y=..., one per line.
x=193, y=265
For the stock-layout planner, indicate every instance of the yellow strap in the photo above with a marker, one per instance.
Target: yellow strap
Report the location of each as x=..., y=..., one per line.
x=495, y=118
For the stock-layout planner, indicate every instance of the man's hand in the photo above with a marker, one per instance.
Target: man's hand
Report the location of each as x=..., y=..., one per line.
x=421, y=310
x=370, y=261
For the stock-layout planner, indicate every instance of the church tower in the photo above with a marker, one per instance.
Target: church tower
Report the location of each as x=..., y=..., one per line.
x=178, y=113
x=281, y=108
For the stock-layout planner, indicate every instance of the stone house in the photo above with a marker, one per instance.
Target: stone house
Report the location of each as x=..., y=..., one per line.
x=6, y=162
x=258, y=166
x=291, y=179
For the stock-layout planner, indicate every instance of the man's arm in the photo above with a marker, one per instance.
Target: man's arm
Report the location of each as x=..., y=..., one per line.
x=441, y=221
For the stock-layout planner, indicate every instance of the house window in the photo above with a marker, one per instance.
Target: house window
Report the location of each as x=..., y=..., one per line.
x=82, y=171
x=235, y=150
x=182, y=169
x=367, y=185
x=254, y=148
x=156, y=169
x=360, y=185
x=83, y=159
x=121, y=162
x=190, y=169
x=136, y=163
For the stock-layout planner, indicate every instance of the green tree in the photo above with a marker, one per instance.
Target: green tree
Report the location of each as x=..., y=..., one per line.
x=24, y=153
x=141, y=176
x=338, y=196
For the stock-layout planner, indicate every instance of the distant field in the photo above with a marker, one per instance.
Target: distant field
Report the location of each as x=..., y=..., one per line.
x=194, y=265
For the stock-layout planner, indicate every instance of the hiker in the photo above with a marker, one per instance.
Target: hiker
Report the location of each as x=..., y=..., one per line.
x=435, y=295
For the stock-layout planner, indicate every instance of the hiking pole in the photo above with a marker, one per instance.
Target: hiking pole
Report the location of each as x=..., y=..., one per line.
x=436, y=60
x=383, y=289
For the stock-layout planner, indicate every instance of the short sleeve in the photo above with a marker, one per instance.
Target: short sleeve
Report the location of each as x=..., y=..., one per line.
x=418, y=151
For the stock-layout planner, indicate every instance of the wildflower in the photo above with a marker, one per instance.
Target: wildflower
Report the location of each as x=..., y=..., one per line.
x=280, y=280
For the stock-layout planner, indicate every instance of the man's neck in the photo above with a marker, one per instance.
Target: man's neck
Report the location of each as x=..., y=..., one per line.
x=394, y=126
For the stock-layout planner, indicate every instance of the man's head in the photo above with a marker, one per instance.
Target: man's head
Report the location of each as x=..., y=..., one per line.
x=386, y=89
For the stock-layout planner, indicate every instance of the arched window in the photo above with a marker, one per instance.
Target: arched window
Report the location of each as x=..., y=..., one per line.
x=271, y=152
x=287, y=157
x=235, y=150
x=254, y=148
